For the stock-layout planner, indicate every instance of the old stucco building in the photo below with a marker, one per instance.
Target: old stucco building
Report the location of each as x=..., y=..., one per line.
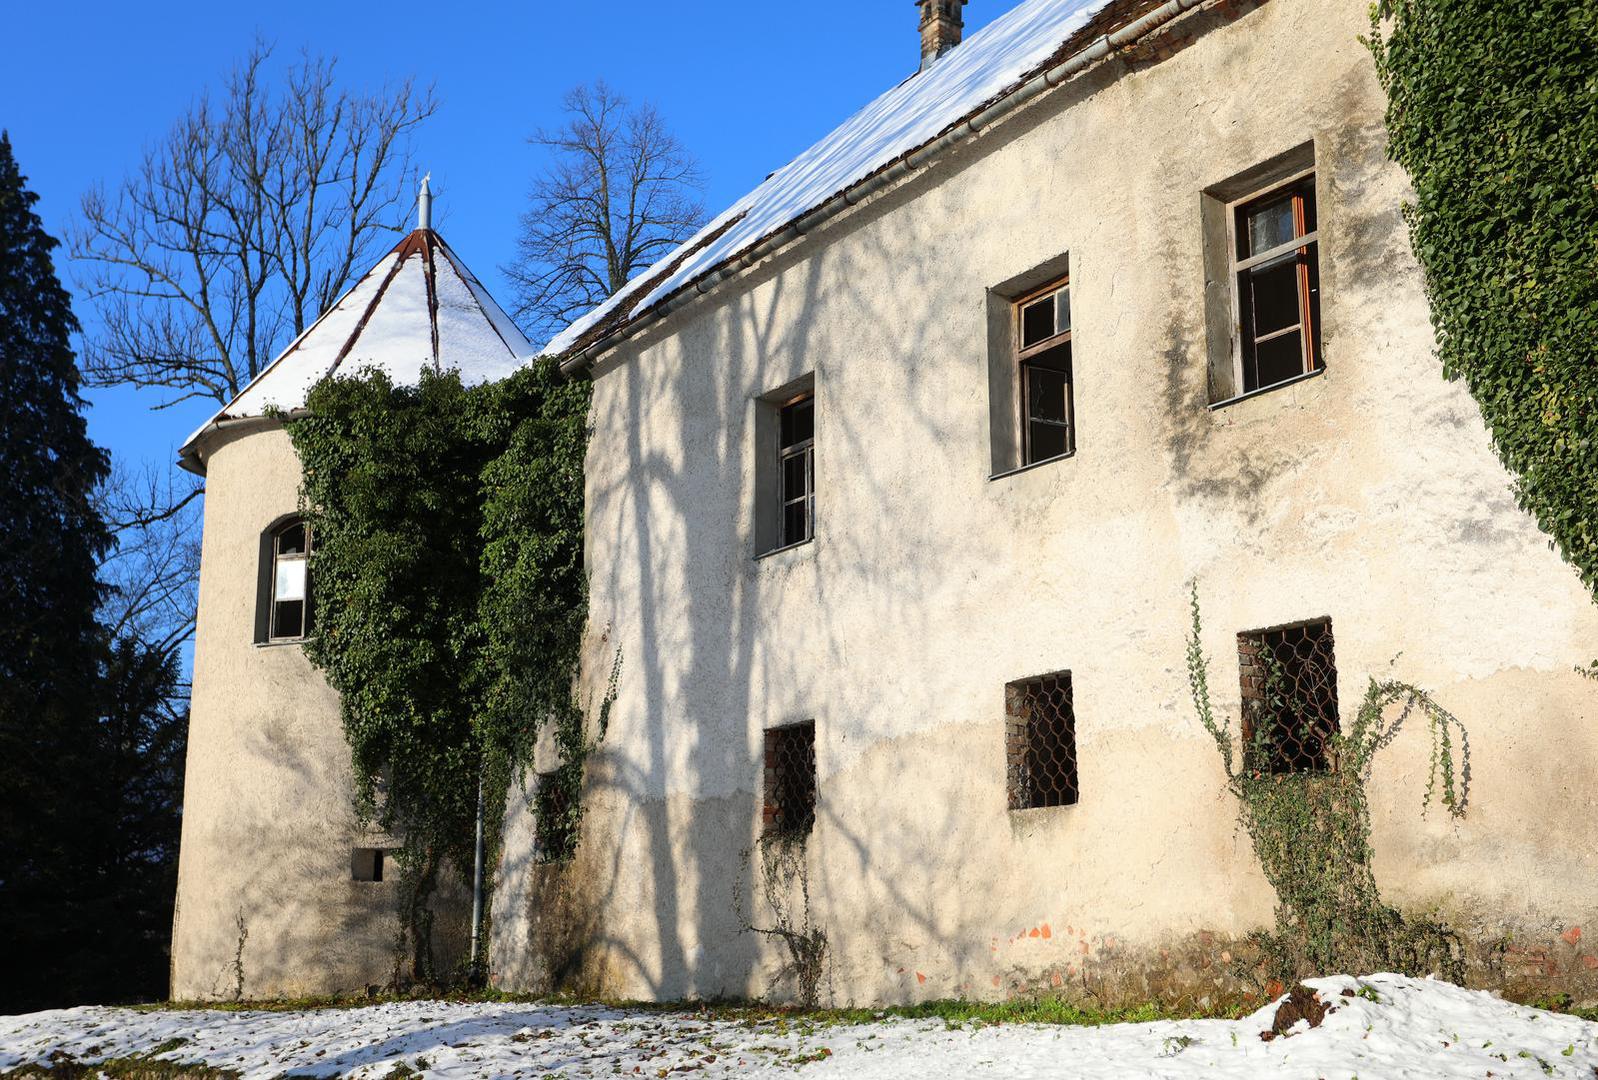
x=899, y=475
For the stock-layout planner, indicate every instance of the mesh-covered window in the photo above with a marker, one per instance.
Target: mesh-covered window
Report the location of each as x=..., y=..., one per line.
x=1040, y=742
x=790, y=803
x=1289, y=678
x=554, y=824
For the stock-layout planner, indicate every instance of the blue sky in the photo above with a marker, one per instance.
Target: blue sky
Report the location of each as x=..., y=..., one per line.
x=746, y=85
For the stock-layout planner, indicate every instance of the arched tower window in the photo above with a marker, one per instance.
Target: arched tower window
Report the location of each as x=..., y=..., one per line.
x=283, y=608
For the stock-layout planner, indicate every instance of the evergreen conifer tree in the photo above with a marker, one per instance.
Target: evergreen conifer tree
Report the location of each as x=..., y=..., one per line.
x=52, y=652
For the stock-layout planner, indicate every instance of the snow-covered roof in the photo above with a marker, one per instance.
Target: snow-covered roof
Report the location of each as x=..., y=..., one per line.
x=985, y=67
x=419, y=307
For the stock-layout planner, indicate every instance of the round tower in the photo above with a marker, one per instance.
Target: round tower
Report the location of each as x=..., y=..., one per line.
x=281, y=891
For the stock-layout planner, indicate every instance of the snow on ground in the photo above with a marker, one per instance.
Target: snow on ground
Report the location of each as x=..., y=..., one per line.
x=1400, y=1027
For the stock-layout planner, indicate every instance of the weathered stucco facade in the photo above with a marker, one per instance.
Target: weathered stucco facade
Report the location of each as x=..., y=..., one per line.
x=1368, y=493
x=264, y=884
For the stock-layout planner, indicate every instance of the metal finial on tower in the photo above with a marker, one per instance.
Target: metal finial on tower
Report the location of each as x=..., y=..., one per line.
x=424, y=205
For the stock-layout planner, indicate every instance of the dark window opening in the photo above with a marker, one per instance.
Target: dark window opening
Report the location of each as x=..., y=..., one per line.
x=796, y=451
x=366, y=864
x=1043, y=356
x=554, y=824
x=790, y=802
x=1278, y=285
x=290, y=613
x=1040, y=742
x=1289, y=682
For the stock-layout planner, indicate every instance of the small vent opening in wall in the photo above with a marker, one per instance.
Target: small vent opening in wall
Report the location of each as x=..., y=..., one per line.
x=366, y=864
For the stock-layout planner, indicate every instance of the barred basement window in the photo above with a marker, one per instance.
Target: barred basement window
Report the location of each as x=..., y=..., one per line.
x=1040, y=742
x=1043, y=358
x=366, y=864
x=790, y=804
x=554, y=834
x=1289, y=679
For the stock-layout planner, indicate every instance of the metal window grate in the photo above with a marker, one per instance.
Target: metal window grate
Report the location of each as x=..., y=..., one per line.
x=790, y=804
x=1040, y=742
x=1289, y=680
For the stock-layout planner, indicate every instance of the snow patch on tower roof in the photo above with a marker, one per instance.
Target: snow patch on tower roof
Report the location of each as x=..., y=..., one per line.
x=418, y=308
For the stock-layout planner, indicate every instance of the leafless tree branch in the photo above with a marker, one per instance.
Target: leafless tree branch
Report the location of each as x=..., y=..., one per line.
x=619, y=191
x=245, y=223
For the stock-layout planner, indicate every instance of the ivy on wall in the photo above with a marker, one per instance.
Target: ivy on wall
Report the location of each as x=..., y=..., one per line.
x=1311, y=832
x=1493, y=111
x=451, y=597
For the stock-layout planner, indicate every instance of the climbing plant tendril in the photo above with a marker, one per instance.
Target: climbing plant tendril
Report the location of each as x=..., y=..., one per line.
x=1311, y=833
x=450, y=599
x=1493, y=112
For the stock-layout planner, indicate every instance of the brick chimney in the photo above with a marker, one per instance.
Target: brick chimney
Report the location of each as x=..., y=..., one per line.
x=941, y=24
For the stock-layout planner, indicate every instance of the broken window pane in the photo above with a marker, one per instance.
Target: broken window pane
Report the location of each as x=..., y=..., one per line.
x=1276, y=299
x=288, y=619
x=1276, y=360
x=1037, y=322
x=798, y=422
x=291, y=541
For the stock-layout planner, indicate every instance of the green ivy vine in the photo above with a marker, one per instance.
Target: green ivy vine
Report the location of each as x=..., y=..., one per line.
x=450, y=599
x=1311, y=831
x=1493, y=112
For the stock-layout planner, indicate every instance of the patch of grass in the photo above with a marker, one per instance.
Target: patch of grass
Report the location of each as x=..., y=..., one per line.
x=1047, y=1009
x=1560, y=1003
x=138, y=1067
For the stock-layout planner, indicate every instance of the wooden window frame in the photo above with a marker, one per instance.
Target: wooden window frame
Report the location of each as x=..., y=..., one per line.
x=805, y=448
x=272, y=635
x=1025, y=354
x=1305, y=247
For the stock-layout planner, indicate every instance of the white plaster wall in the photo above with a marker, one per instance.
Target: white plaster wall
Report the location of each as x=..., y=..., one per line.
x=268, y=820
x=1369, y=494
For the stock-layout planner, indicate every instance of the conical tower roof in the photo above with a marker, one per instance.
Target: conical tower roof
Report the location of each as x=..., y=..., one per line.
x=419, y=307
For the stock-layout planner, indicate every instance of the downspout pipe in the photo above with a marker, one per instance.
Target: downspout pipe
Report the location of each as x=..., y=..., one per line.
x=477, y=884
x=1100, y=49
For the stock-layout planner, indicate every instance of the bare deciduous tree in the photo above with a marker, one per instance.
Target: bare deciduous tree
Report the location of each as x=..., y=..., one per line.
x=241, y=227
x=153, y=571
x=618, y=193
